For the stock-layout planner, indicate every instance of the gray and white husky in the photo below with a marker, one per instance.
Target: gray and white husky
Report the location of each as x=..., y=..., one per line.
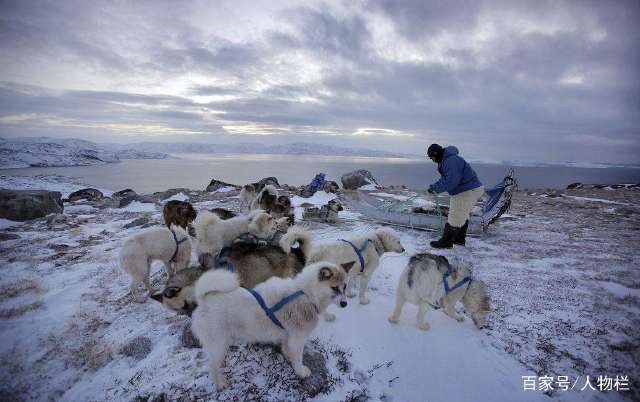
x=227, y=314
x=327, y=213
x=422, y=283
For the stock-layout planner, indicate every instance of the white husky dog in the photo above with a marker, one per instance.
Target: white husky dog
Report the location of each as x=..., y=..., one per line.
x=422, y=283
x=213, y=233
x=371, y=246
x=158, y=243
x=227, y=314
x=247, y=195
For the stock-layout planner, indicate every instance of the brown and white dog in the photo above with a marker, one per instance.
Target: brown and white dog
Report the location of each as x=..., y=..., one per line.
x=180, y=213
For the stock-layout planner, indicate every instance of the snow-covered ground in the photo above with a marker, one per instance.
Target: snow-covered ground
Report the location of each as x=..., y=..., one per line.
x=561, y=272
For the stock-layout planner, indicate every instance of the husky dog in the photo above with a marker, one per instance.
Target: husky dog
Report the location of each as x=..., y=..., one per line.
x=253, y=265
x=227, y=314
x=213, y=233
x=421, y=283
x=327, y=213
x=180, y=213
x=158, y=243
x=266, y=198
x=282, y=207
x=247, y=195
x=375, y=243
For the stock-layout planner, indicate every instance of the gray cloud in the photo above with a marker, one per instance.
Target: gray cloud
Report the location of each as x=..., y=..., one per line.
x=544, y=80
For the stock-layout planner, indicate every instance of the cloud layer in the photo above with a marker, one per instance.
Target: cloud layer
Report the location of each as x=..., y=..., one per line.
x=548, y=81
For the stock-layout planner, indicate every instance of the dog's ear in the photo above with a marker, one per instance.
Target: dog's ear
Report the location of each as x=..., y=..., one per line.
x=157, y=297
x=347, y=266
x=171, y=292
x=325, y=274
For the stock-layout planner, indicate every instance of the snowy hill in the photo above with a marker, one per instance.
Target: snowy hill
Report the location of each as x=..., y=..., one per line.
x=47, y=152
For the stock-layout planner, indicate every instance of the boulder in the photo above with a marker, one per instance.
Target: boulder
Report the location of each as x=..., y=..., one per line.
x=217, y=184
x=8, y=236
x=331, y=187
x=356, y=179
x=89, y=194
x=123, y=193
x=22, y=205
x=163, y=195
x=318, y=381
x=263, y=182
x=573, y=186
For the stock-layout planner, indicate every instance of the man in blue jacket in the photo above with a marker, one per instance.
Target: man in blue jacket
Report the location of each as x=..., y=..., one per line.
x=461, y=182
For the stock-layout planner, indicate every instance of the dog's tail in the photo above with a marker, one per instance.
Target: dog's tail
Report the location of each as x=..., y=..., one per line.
x=202, y=222
x=293, y=235
x=215, y=282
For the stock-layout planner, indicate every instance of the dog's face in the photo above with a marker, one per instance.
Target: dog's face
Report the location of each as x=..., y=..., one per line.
x=282, y=224
x=178, y=299
x=284, y=201
x=188, y=211
x=267, y=201
x=262, y=223
x=335, y=205
x=390, y=240
x=335, y=278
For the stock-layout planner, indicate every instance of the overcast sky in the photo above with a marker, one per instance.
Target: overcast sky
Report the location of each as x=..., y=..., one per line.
x=530, y=80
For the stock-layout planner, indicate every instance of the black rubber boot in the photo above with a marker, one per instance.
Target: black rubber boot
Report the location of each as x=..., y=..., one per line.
x=460, y=238
x=446, y=241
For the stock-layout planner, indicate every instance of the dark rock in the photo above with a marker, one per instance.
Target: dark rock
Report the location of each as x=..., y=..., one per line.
x=574, y=186
x=356, y=179
x=267, y=180
x=599, y=186
x=123, y=202
x=331, y=187
x=306, y=191
x=123, y=193
x=136, y=222
x=318, y=381
x=163, y=195
x=217, y=184
x=223, y=213
x=188, y=339
x=138, y=348
x=89, y=194
x=8, y=236
x=22, y=205
x=617, y=186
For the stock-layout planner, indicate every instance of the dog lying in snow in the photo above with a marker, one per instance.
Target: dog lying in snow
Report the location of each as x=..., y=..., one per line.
x=227, y=313
x=214, y=233
x=158, y=243
x=372, y=244
x=266, y=198
x=253, y=264
x=327, y=213
x=422, y=283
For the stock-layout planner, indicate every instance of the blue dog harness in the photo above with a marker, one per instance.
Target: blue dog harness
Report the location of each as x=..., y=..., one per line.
x=448, y=289
x=270, y=312
x=359, y=251
x=178, y=243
